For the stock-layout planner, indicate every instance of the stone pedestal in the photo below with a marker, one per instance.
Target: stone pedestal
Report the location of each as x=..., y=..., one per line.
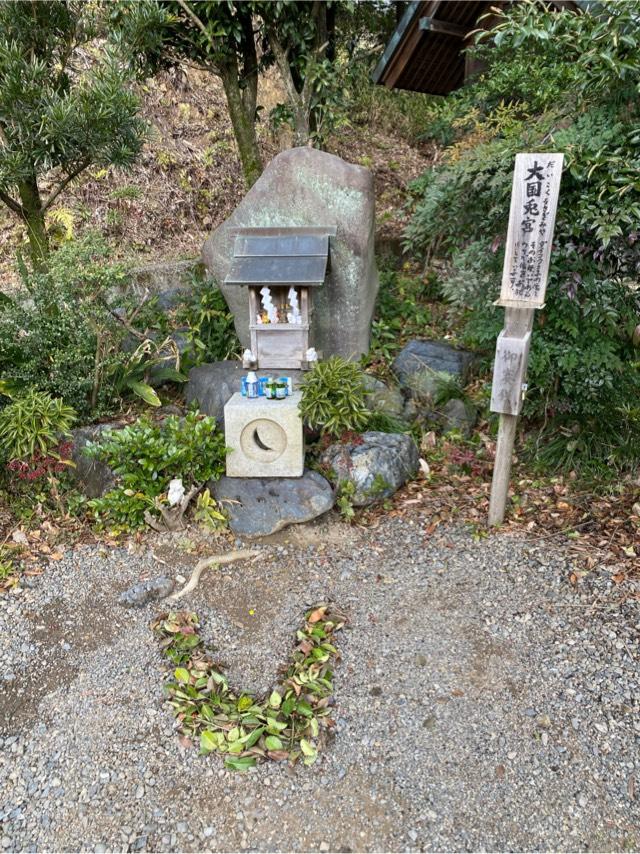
x=265, y=437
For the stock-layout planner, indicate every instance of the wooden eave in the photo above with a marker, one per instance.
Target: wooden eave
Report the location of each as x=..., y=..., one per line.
x=425, y=53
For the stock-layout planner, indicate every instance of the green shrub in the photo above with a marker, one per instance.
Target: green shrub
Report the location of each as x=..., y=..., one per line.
x=212, y=333
x=33, y=423
x=65, y=337
x=402, y=311
x=383, y=422
x=62, y=339
x=333, y=397
x=146, y=456
x=555, y=81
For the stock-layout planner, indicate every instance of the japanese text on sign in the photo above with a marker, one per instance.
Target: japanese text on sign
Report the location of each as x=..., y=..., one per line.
x=534, y=199
x=509, y=372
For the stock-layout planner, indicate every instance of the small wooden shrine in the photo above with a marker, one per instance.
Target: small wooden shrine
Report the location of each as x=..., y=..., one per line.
x=280, y=266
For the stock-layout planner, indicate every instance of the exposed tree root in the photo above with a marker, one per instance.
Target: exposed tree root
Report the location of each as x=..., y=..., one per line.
x=214, y=560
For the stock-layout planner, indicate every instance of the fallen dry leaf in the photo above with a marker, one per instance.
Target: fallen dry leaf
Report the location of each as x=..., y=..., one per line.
x=316, y=615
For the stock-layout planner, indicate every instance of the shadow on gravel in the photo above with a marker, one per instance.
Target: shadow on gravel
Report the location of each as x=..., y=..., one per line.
x=62, y=632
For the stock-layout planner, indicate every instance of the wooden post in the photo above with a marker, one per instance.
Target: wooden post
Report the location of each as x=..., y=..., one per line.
x=517, y=323
x=534, y=198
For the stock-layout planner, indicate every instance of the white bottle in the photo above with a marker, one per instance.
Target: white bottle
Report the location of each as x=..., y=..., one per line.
x=252, y=384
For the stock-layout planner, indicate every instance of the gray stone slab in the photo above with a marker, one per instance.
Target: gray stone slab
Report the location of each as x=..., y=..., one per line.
x=381, y=397
x=92, y=476
x=261, y=506
x=146, y=591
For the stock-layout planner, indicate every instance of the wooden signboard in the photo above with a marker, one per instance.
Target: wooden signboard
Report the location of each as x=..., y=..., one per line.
x=509, y=373
x=534, y=199
x=532, y=216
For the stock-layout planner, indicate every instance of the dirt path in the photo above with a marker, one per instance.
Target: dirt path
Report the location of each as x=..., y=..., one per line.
x=482, y=703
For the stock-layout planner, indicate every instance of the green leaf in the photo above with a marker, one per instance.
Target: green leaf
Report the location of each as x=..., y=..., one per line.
x=240, y=763
x=274, y=700
x=307, y=748
x=272, y=742
x=233, y=734
x=276, y=726
x=245, y=702
x=208, y=741
x=181, y=674
x=144, y=391
x=169, y=374
x=251, y=739
x=303, y=708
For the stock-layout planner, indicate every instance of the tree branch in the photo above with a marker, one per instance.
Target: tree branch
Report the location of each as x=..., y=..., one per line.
x=282, y=62
x=83, y=165
x=16, y=207
x=196, y=20
x=130, y=329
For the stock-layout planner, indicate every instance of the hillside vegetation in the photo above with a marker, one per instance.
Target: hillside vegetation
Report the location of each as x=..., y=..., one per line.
x=188, y=178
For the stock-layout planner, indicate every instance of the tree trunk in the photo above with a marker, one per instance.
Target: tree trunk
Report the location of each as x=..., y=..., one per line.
x=244, y=127
x=298, y=101
x=249, y=80
x=33, y=217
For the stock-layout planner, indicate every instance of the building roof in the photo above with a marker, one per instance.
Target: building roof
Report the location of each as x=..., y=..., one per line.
x=425, y=53
x=280, y=256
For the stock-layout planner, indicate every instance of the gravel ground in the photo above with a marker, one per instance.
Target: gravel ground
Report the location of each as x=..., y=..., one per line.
x=483, y=702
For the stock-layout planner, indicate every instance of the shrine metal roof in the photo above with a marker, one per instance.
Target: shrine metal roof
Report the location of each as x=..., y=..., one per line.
x=280, y=256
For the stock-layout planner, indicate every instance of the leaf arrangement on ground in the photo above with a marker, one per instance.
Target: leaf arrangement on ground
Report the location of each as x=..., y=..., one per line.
x=291, y=723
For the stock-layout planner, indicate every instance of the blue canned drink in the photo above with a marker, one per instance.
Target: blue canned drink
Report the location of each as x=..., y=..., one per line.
x=287, y=383
x=262, y=384
x=243, y=388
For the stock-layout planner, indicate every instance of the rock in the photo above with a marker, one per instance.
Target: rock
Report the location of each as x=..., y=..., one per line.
x=411, y=410
x=146, y=591
x=213, y=384
x=93, y=477
x=458, y=415
x=383, y=398
x=259, y=506
x=437, y=356
x=170, y=281
x=423, y=385
x=378, y=466
x=308, y=187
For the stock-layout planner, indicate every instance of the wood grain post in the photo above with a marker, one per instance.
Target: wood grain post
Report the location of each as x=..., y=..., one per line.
x=517, y=323
x=534, y=199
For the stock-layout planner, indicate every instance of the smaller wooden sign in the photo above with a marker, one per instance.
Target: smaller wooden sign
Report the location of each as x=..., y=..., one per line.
x=534, y=199
x=509, y=372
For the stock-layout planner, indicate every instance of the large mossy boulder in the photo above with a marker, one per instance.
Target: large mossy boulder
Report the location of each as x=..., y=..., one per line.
x=307, y=187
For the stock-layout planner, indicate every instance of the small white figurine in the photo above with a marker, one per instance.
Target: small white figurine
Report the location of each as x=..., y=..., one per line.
x=175, y=493
x=312, y=355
